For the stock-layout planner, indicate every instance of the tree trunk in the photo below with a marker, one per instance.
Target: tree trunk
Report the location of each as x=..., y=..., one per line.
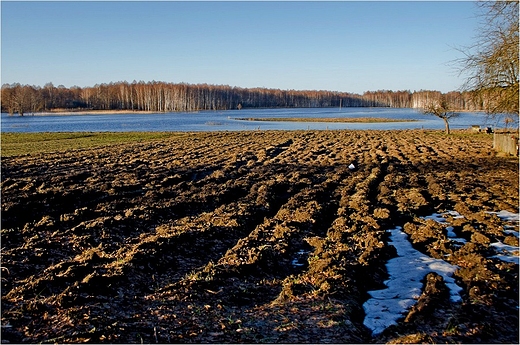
x=447, y=125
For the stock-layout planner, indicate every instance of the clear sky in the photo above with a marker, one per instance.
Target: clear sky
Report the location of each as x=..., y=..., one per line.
x=338, y=46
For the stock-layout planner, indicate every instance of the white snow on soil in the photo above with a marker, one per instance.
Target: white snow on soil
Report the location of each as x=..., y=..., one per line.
x=404, y=285
x=439, y=218
x=408, y=269
x=507, y=216
x=506, y=252
x=301, y=258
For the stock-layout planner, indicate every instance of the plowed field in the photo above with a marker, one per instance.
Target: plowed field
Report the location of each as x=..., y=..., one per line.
x=254, y=237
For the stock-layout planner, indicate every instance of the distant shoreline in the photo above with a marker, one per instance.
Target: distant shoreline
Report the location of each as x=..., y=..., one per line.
x=119, y=112
x=87, y=112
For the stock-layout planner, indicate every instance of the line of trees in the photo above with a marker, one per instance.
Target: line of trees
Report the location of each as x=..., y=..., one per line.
x=169, y=97
x=462, y=101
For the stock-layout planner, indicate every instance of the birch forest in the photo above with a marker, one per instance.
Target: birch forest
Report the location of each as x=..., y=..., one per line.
x=174, y=97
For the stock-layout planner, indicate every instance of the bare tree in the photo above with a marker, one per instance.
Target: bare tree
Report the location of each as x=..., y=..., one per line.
x=441, y=109
x=21, y=99
x=492, y=62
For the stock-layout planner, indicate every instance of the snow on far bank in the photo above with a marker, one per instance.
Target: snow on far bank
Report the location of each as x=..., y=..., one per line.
x=404, y=285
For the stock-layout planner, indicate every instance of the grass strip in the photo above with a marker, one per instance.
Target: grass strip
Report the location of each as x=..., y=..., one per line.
x=15, y=144
x=321, y=119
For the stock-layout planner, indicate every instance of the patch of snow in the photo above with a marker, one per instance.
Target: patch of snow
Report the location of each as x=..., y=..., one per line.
x=507, y=216
x=512, y=232
x=404, y=285
x=411, y=266
x=511, y=219
x=300, y=259
x=451, y=233
x=504, y=247
x=436, y=217
x=506, y=252
x=439, y=218
x=508, y=258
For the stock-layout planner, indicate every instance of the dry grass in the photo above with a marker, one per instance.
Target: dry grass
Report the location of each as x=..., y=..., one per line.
x=320, y=119
x=17, y=144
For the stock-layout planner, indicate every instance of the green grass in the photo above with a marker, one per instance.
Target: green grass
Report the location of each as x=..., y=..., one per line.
x=463, y=134
x=15, y=144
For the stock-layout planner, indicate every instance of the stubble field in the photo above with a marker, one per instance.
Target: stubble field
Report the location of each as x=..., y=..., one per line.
x=255, y=237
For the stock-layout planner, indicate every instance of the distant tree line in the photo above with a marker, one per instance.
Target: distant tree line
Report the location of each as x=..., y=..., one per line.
x=170, y=97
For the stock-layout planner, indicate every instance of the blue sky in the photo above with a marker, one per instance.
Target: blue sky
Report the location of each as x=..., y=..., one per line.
x=338, y=46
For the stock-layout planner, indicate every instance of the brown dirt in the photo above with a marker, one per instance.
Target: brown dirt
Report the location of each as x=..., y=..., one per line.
x=252, y=237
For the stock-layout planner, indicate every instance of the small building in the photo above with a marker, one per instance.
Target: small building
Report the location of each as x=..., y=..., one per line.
x=475, y=128
x=478, y=129
x=506, y=142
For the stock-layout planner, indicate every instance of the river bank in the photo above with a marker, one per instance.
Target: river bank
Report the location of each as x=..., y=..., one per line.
x=85, y=112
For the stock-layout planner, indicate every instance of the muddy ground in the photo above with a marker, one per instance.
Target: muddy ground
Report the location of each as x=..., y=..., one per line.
x=253, y=237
